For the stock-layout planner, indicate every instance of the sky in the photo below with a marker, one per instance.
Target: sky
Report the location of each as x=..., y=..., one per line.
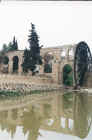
x=57, y=23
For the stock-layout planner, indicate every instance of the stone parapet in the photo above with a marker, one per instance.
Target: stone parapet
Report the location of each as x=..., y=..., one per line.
x=27, y=83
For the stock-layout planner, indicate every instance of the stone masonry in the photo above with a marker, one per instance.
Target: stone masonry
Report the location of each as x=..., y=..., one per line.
x=62, y=55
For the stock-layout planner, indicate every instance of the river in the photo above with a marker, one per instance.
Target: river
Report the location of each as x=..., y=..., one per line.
x=55, y=116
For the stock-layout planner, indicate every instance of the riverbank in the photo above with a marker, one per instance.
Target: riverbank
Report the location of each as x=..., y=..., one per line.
x=26, y=83
x=12, y=85
x=28, y=87
x=14, y=89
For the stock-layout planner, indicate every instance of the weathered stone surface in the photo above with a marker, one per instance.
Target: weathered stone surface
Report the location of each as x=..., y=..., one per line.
x=61, y=57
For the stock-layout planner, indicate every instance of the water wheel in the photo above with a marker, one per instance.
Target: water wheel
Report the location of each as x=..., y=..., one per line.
x=82, y=60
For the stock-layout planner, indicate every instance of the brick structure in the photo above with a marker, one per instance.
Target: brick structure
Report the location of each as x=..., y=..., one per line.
x=62, y=55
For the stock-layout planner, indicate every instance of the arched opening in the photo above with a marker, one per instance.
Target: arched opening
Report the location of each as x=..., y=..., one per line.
x=15, y=64
x=67, y=75
x=5, y=62
x=48, y=63
x=48, y=68
x=71, y=54
x=63, y=54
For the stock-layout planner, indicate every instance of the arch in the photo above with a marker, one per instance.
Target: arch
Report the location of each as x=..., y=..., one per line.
x=71, y=54
x=15, y=64
x=48, y=62
x=5, y=62
x=67, y=77
x=63, y=54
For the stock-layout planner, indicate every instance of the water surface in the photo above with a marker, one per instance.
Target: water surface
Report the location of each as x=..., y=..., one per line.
x=54, y=116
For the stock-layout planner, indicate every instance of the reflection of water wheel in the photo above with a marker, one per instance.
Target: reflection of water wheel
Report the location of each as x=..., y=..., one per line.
x=82, y=116
x=81, y=62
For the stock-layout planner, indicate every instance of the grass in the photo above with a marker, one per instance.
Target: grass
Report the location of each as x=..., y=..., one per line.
x=35, y=92
x=9, y=93
x=4, y=93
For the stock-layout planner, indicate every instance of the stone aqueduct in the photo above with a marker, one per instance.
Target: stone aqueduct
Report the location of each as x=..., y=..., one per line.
x=62, y=55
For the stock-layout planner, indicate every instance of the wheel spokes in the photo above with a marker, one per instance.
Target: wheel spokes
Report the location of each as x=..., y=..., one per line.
x=82, y=61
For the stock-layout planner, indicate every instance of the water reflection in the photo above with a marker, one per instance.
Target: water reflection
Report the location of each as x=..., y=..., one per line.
x=69, y=114
x=31, y=124
x=82, y=116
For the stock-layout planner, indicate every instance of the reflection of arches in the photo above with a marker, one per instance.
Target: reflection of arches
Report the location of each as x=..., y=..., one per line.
x=14, y=114
x=4, y=114
x=67, y=75
x=47, y=110
x=15, y=63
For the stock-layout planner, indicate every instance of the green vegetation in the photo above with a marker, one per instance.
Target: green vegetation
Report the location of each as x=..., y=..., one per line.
x=32, y=55
x=67, y=75
x=26, y=62
x=12, y=46
x=5, y=60
x=48, y=63
x=68, y=95
x=68, y=100
x=48, y=68
x=35, y=92
x=9, y=93
x=6, y=93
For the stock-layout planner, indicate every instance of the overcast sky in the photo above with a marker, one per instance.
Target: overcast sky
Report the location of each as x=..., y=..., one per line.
x=57, y=23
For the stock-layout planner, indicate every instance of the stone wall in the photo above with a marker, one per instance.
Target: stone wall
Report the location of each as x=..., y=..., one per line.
x=26, y=83
x=61, y=57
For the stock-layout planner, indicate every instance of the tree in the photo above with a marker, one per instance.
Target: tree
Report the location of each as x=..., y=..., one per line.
x=34, y=45
x=26, y=61
x=67, y=75
x=5, y=60
x=4, y=48
x=48, y=68
x=1, y=57
x=32, y=56
x=9, y=45
x=14, y=44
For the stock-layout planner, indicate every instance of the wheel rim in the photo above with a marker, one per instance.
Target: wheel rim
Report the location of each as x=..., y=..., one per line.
x=82, y=60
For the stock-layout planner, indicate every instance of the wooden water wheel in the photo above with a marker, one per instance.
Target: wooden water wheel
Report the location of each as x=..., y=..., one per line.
x=82, y=60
